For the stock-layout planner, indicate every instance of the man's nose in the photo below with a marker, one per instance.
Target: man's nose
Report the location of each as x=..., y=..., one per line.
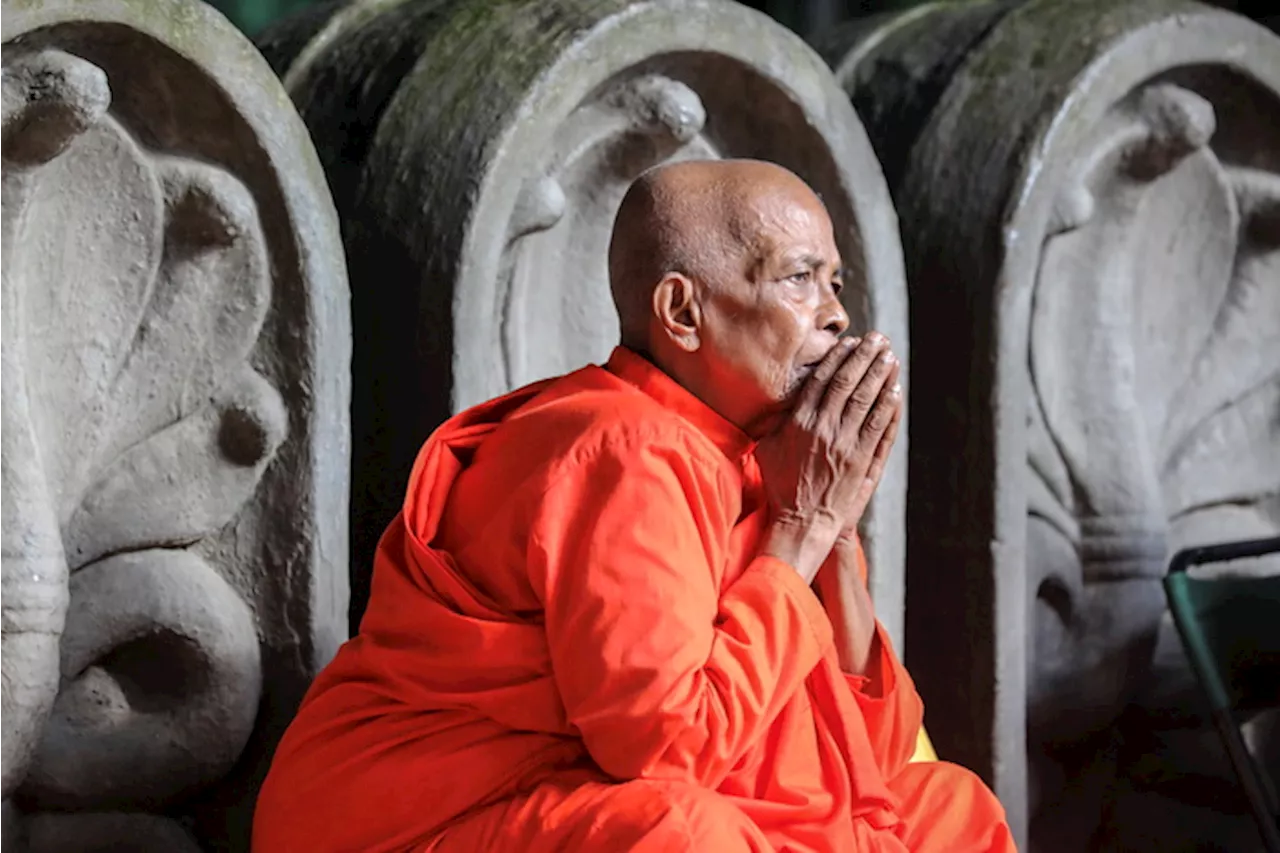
x=832, y=316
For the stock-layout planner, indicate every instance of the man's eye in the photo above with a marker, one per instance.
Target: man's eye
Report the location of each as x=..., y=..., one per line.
x=801, y=277
x=837, y=285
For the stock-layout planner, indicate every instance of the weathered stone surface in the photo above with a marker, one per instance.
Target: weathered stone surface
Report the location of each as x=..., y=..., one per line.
x=477, y=152
x=175, y=429
x=895, y=66
x=1089, y=196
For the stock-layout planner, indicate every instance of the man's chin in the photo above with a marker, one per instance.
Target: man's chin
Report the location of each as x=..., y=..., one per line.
x=772, y=416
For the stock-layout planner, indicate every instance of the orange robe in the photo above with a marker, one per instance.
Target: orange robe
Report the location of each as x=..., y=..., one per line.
x=572, y=645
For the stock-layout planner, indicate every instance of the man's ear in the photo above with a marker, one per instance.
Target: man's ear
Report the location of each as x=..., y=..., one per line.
x=676, y=308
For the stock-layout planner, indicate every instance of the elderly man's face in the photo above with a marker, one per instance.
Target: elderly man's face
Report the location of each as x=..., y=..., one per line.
x=774, y=313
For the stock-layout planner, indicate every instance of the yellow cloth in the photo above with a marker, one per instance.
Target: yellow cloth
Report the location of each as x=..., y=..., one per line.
x=924, y=748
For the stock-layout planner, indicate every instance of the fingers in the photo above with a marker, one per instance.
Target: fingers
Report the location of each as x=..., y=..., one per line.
x=887, y=404
x=810, y=396
x=889, y=409
x=848, y=378
x=863, y=415
x=878, y=459
x=885, y=445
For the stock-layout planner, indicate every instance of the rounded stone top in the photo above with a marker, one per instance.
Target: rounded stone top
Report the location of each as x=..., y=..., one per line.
x=1048, y=96
x=478, y=147
x=203, y=37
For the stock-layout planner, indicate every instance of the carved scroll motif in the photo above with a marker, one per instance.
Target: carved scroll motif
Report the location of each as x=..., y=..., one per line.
x=145, y=429
x=1089, y=196
x=1160, y=282
x=135, y=430
x=478, y=193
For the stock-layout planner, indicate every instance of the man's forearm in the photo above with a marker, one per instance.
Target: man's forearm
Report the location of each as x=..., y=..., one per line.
x=848, y=605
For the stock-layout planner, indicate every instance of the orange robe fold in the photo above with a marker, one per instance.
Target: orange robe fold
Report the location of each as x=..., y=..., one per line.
x=572, y=645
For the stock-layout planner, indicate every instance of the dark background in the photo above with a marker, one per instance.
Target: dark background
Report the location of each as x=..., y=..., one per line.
x=803, y=16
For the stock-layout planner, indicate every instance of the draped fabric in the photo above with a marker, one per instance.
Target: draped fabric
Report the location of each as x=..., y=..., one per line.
x=572, y=645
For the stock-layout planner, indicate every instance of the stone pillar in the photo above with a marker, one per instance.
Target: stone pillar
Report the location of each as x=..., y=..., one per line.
x=477, y=154
x=175, y=429
x=1090, y=196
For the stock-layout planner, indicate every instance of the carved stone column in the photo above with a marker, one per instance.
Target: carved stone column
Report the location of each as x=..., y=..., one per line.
x=175, y=430
x=1089, y=192
x=477, y=153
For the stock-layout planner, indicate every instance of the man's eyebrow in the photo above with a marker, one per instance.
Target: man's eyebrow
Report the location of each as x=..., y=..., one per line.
x=808, y=260
x=813, y=262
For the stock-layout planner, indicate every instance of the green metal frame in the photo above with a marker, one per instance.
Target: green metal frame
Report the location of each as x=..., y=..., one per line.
x=1230, y=629
x=253, y=16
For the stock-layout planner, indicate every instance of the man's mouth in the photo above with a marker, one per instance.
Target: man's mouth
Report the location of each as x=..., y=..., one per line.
x=809, y=366
x=801, y=375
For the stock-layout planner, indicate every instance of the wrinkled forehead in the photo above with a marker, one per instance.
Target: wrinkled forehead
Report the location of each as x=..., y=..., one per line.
x=780, y=220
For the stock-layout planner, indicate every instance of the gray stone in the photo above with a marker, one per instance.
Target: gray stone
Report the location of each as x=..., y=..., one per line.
x=175, y=431
x=477, y=153
x=1089, y=195
x=110, y=832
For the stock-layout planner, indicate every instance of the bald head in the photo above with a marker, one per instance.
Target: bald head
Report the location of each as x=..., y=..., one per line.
x=697, y=218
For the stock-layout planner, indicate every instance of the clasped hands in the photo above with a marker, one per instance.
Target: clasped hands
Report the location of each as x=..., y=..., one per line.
x=823, y=463
x=820, y=468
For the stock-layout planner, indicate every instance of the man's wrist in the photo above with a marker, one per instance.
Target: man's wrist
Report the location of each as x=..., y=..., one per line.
x=803, y=542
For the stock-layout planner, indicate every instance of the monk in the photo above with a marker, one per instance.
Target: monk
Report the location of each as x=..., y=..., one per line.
x=594, y=625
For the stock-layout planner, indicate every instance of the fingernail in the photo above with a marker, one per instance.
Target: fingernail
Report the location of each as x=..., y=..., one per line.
x=897, y=389
x=888, y=357
x=849, y=343
x=875, y=338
